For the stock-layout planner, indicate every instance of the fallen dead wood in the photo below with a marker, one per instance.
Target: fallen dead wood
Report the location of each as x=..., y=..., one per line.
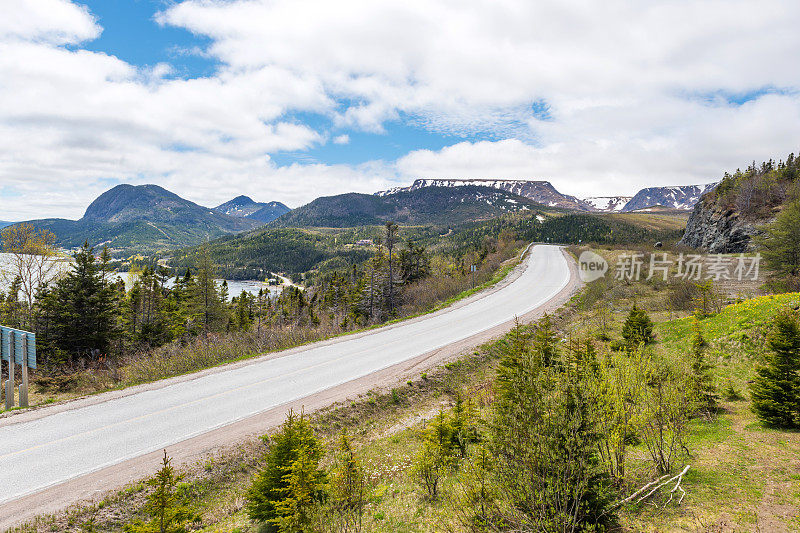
x=657, y=484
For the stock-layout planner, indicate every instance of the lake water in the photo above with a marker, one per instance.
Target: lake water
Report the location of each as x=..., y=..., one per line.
x=7, y=273
x=235, y=287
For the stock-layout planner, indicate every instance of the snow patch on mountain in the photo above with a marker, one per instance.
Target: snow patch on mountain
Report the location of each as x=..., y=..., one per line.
x=607, y=204
x=682, y=197
x=539, y=191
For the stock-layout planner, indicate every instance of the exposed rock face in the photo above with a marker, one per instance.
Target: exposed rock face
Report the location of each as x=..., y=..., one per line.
x=718, y=230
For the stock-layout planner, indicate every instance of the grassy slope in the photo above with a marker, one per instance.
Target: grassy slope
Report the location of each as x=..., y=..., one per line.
x=655, y=221
x=744, y=477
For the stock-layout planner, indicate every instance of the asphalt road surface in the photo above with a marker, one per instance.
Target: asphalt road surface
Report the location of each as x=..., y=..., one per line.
x=70, y=442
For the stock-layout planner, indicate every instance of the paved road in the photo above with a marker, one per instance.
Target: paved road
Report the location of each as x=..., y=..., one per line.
x=51, y=449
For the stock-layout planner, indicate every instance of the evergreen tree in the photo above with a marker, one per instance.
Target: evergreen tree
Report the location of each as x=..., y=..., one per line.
x=544, y=437
x=145, y=309
x=302, y=494
x=165, y=506
x=372, y=303
x=638, y=328
x=348, y=487
x=702, y=390
x=46, y=311
x=282, y=487
x=390, y=240
x=545, y=341
x=435, y=458
x=243, y=318
x=12, y=307
x=464, y=426
x=84, y=314
x=205, y=307
x=776, y=389
x=780, y=243
x=414, y=262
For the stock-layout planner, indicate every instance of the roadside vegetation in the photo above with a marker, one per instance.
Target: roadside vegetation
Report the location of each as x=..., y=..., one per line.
x=634, y=408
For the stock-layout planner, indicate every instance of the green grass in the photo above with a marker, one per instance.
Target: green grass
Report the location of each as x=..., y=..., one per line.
x=741, y=475
x=735, y=322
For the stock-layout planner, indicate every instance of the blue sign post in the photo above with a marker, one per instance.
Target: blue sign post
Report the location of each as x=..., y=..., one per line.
x=17, y=348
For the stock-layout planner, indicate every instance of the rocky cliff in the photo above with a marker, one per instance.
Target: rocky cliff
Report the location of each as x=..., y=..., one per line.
x=718, y=230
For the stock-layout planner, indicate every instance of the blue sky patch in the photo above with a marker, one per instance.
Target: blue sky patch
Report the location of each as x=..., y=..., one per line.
x=131, y=33
x=736, y=99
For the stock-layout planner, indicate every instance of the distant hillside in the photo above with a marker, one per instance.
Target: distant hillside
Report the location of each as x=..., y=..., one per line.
x=143, y=218
x=428, y=205
x=4, y=224
x=541, y=192
x=246, y=207
x=269, y=212
x=675, y=197
x=253, y=255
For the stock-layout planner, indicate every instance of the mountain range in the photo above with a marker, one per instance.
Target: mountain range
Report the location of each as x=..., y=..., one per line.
x=682, y=197
x=541, y=192
x=143, y=218
x=246, y=207
x=435, y=205
x=149, y=218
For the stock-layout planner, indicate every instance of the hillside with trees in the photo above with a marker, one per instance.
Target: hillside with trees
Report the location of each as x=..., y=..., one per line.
x=441, y=206
x=304, y=252
x=143, y=218
x=728, y=218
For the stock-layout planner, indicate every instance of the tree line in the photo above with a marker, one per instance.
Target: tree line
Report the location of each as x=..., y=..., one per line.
x=86, y=314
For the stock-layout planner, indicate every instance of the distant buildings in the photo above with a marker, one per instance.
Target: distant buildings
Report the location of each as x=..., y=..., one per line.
x=364, y=242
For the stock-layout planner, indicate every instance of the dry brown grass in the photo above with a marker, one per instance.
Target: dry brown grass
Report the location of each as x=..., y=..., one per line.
x=215, y=349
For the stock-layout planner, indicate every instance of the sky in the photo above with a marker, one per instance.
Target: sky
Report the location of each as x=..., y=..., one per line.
x=290, y=100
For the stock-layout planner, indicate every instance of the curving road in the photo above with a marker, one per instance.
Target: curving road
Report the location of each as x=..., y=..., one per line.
x=59, y=444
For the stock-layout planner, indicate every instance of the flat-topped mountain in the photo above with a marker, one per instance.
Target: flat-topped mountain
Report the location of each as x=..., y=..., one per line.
x=426, y=205
x=246, y=207
x=541, y=192
x=683, y=197
x=143, y=218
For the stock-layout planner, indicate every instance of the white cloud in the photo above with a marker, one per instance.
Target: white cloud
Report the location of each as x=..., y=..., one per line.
x=635, y=96
x=53, y=21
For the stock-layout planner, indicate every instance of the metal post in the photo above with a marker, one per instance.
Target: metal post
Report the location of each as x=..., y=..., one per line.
x=10, y=382
x=23, y=389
